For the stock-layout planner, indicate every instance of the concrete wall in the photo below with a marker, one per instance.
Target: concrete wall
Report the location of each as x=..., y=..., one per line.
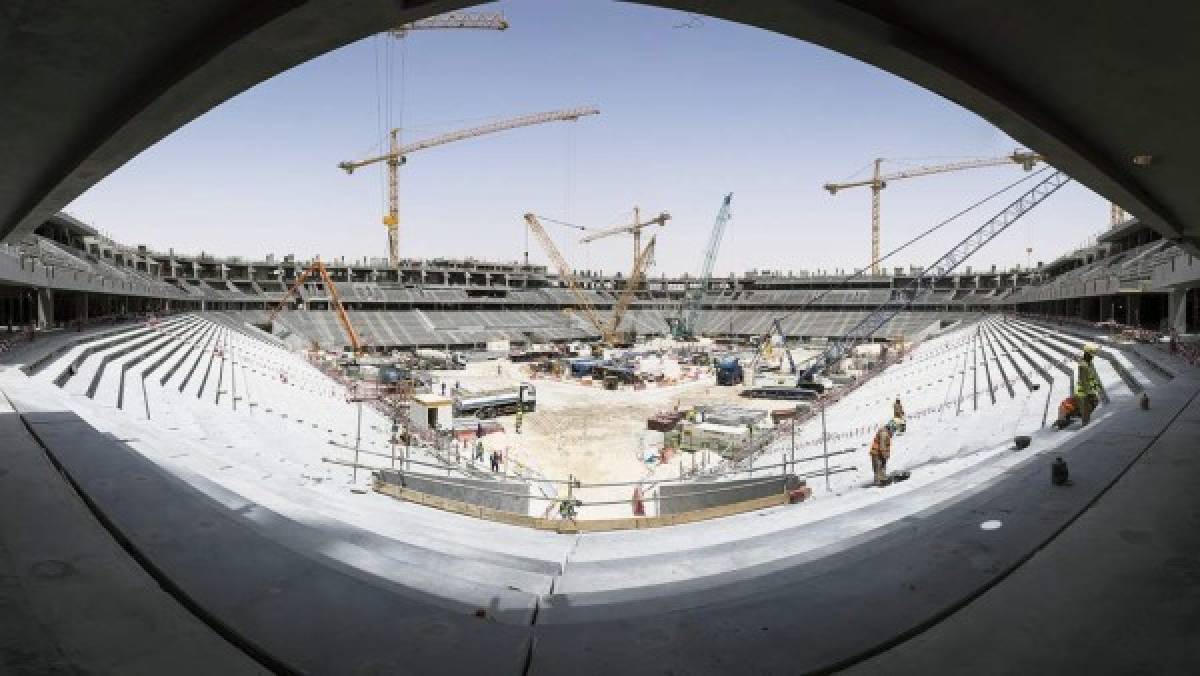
x=464, y=490
x=739, y=490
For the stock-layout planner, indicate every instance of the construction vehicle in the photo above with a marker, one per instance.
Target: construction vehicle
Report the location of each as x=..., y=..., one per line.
x=503, y=401
x=626, y=297
x=584, y=305
x=767, y=348
x=398, y=154
x=729, y=371
x=683, y=325
x=318, y=269
x=607, y=331
x=641, y=259
x=878, y=181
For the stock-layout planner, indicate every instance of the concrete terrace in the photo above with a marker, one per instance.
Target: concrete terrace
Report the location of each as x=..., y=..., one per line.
x=268, y=556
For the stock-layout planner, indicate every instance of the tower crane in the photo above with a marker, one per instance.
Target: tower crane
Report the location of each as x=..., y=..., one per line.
x=878, y=181
x=318, y=269
x=977, y=239
x=684, y=327
x=635, y=228
x=468, y=20
x=397, y=155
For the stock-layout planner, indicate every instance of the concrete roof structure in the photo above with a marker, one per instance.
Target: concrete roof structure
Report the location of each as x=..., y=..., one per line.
x=87, y=87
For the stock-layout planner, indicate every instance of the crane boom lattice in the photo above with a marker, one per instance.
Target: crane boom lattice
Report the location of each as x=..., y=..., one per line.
x=566, y=274
x=635, y=280
x=318, y=269
x=950, y=260
x=685, y=326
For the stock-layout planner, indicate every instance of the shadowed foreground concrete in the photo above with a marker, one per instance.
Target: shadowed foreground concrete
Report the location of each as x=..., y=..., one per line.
x=1118, y=592
x=71, y=600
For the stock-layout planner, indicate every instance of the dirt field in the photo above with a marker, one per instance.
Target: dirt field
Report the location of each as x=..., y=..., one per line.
x=593, y=434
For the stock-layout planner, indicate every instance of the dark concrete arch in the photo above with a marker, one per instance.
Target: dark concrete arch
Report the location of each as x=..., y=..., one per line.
x=88, y=86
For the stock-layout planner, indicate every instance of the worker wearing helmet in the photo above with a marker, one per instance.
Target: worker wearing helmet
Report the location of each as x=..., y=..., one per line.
x=1087, y=384
x=881, y=450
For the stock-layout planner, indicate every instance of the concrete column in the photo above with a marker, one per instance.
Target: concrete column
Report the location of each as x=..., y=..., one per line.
x=45, y=308
x=1177, y=310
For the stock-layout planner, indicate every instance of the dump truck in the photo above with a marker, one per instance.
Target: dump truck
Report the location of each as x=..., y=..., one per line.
x=492, y=403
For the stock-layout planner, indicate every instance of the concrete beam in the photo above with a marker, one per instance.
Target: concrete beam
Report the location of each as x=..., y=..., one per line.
x=1091, y=87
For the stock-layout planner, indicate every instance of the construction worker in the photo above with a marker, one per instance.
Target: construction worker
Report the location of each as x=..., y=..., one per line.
x=898, y=416
x=881, y=450
x=1087, y=384
x=520, y=418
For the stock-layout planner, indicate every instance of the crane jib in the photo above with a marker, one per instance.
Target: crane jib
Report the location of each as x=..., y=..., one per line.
x=945, y=264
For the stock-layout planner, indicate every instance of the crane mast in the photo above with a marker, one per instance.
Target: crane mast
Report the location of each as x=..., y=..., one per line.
x=566, y=274
x=689, y=310
x=879, y=181
x=397, y=156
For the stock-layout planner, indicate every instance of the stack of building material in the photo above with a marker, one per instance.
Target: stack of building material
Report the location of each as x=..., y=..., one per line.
x=733, y=416
x=663, y=421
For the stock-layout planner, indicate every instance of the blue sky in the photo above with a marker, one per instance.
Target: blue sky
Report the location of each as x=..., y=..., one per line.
x=687, y=114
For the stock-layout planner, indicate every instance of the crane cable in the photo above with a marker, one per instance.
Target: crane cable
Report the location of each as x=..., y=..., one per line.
x=858, y=273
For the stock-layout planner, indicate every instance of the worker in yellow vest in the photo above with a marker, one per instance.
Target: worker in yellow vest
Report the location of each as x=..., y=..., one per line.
x=1087, y=384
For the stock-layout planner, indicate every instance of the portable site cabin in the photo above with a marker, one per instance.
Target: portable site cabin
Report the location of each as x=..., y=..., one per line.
x=431, y=412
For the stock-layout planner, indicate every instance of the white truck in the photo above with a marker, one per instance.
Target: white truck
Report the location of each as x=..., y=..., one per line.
x=497, y=402
x=441, y=360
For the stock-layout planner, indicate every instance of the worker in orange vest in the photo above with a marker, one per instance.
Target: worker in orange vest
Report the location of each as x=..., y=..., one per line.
x=881, y=450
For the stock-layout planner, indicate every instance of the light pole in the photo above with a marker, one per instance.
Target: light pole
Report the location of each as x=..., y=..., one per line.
x=357, y=432
x=795, y=419
x=824, y=443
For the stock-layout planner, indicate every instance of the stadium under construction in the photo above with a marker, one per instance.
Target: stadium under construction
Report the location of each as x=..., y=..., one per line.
x=213, y=464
